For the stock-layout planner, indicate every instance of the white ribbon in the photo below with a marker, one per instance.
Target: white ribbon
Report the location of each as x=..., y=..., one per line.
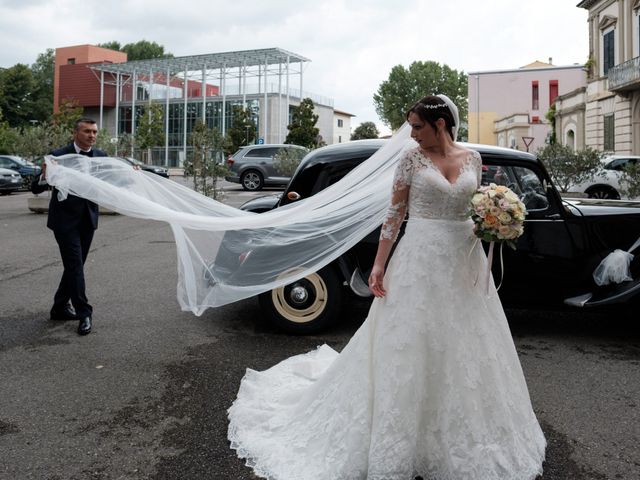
x=614, y=268
x=489, y=263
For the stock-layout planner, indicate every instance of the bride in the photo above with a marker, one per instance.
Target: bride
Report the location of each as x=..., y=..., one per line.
x=430, y=385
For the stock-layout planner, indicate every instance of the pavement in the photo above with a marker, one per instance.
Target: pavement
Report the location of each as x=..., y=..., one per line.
x=144, y=396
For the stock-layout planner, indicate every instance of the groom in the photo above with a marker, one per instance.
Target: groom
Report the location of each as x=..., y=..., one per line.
x=73, y=222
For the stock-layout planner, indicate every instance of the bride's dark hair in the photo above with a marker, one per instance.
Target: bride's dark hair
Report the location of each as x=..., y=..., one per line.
x=430, y=109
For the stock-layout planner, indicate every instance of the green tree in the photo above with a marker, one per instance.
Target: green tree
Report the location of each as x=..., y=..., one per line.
x=202, y=164
x=405, y=86
x=68, y=112
x=112, y=45
x=568, y=167
x=141, y=50
x=16, y=95
x=243, y=128
x=630, y=180
x=8, y=137
x=37, y=140
x=551, y=117
x=150, y=129
x=302, y=129
x=42, y=71
x=365, y=130
x=104, y=143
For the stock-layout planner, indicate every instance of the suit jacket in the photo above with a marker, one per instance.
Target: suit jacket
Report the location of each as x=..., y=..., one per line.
x=72, y=212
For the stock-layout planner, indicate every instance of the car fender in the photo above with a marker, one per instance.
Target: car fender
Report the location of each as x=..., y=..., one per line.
x=261, y=204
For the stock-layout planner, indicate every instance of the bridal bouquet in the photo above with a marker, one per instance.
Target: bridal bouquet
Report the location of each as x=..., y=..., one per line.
x=498, y=214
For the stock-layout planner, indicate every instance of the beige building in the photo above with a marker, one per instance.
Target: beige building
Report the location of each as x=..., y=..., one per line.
x=341, y=126
x=508, y=108
x=606, y=114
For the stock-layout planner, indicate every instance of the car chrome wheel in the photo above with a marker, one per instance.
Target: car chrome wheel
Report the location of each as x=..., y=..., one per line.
x=251, y=180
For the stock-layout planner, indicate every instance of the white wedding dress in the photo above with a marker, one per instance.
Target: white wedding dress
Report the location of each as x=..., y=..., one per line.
x=430, y=385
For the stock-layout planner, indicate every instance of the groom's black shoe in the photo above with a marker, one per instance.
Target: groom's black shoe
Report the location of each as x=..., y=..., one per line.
x=84, y=327
x=63, y=314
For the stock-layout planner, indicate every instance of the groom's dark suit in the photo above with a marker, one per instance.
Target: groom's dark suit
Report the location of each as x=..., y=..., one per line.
x=73, y=222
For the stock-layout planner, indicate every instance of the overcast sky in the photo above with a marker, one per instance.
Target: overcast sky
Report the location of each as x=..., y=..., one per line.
x=352, y=45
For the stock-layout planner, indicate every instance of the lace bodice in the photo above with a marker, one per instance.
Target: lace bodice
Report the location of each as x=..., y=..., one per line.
x=420, y=187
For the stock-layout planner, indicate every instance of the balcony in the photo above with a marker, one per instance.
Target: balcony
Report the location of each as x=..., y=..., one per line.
x=625, y=76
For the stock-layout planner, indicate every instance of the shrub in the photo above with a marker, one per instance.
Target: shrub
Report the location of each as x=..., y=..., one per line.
x=567, y=167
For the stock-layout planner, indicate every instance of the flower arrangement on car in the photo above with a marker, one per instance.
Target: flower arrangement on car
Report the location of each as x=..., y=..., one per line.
x=497, y=214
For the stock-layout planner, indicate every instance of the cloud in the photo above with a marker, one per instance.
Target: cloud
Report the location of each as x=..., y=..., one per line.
x=352, y=45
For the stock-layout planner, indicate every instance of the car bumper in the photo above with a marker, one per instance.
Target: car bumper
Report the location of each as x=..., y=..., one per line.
x=10, y=185
x=232, y=178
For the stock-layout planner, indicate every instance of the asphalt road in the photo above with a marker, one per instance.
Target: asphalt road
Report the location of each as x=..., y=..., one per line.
x=144, y=396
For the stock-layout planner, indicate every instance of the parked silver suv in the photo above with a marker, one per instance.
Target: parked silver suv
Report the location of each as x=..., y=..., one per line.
x=252, y=166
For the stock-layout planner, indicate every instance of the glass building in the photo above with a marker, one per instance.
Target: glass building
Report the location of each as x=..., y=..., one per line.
x=268, y=82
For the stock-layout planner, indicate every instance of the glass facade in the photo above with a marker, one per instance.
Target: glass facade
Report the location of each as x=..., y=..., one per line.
x=213, y=115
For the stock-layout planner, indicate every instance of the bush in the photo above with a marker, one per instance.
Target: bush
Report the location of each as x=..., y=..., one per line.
x=567, y=167
x=630, y=180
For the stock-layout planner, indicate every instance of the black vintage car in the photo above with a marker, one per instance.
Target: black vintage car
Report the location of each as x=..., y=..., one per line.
x=564, y=241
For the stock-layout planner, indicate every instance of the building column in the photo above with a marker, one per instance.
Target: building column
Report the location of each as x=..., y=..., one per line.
x=166, y=121
x=266, y=108
x=117, y=108
x=134, y=95
x=184, y=117
x=101, y=98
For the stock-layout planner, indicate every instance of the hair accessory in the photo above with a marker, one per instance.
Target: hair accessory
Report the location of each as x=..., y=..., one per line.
x=433, y=105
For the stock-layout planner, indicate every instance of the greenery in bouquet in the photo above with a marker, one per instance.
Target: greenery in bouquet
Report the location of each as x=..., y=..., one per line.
x=497, y=214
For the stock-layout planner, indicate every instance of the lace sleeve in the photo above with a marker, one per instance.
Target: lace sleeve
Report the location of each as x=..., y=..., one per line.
x=399, y=197
x=476, y=162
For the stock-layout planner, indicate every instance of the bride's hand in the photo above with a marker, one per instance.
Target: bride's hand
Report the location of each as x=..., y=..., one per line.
x=375, y=281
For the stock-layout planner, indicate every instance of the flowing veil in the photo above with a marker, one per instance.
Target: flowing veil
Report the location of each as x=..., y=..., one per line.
x=226, y=254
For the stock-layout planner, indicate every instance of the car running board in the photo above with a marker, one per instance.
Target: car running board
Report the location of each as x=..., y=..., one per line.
x=579, y=301
x=608, y=295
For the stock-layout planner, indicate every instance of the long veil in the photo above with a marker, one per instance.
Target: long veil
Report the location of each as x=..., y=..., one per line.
x=225, y=254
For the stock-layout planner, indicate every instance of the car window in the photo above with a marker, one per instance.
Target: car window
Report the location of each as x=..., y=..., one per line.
x=523, y=181
x=262, y=152
x=619, y=163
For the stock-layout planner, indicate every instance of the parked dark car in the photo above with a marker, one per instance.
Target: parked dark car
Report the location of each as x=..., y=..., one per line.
x=563, y=241
x=10, y=181
x=157, y=169
x=27, y=170
x=253, y=167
